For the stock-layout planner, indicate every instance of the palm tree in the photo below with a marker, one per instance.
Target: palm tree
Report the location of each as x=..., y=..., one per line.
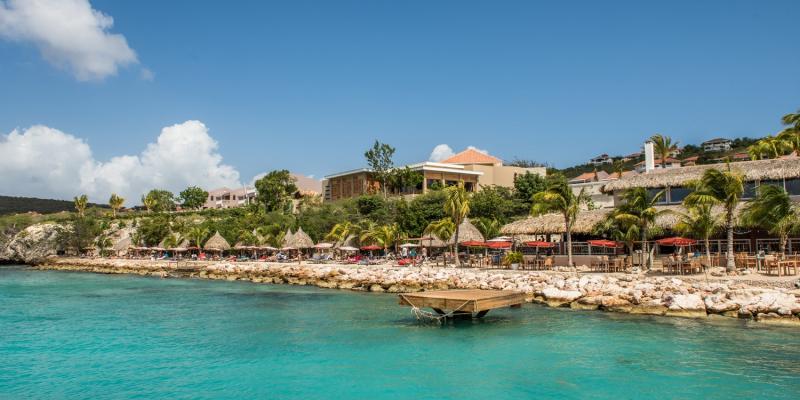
x=172, y=241
x=115, y=202
x=271, y=234
x=791, y=136
x=663, y=147
x=773, y=210
x=720, y=187
x=618, y=167
x=103, y=242
x=382, y=235
x=639, y=209
x=792, y=120
x=559, y=197
x=699, y=222
x=80, y=204
x=619, y=230
x=197, y=234
x=341, y=231
x=456, y=206
x=442, y=229
x=769, y=147
x=149, y=202
x=489, y=228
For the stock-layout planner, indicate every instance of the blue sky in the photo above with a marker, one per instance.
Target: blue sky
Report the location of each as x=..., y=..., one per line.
x=307, y=86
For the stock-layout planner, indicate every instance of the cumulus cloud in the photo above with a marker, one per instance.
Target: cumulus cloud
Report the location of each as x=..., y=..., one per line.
x=45, y=162
x=479, y=150
x=69, y=34
x=441, y=152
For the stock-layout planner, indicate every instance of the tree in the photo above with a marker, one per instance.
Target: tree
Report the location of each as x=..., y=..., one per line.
x=792, y=120
x=172, y=240
x=80, y=204
x=404, y=180
x=381, y=235
x=82, y=231
x=769, y=147
x=618, y=167
x=720, y=187
x=559, y=198
x=663, y=147
x=193, y=197
x=492, y=202
x=618, y=230
x=275, y=190
x=527, y=185
x=442, y=229
x=639, y=208
x=699, y=222
x=489, y=228
x=379, y=159
x=774, y=211
x=115, y=202
x=197, y=235
x=456, y=206
x=154, y=230
x=159, y=200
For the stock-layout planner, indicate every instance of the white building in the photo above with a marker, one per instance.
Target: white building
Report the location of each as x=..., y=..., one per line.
x=718, y=144
x=601, y=160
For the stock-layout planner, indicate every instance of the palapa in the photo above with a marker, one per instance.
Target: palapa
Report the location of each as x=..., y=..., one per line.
x=431, y=240
x=217, y=243
x=122, y=245
x=675, y=177
x=300, y=240
x=466, y=233
x=287, y=238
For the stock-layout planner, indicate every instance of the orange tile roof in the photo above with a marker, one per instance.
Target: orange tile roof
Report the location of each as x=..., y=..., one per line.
x=472, y=156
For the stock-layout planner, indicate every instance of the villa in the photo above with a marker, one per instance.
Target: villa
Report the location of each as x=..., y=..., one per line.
x=476, y=169
x=718, y=144
x=227, y=198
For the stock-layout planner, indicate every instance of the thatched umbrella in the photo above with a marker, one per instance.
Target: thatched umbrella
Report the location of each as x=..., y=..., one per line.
x=122, y=245
x=217, y=243
x=287, y=238
x=431, y=240
x=301, y=240
x=466, y=232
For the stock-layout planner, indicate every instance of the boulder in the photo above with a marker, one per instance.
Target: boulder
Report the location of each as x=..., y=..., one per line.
x=33, y=244
x=685, y=305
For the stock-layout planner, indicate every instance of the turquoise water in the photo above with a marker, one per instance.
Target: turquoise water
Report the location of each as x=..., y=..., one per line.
x=77, y=335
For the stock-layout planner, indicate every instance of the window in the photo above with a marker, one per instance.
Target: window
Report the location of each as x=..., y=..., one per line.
x=749, y=190
x=662, y=198
x=450, y=183
x=793, y=187
x=778, y=183
x=677, y=194
x=468, y=186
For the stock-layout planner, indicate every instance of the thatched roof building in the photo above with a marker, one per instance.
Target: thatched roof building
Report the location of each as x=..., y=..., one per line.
x=287, y=238
x=466, y=232
x=300, y=240
x=752, y=170
x=122, y=245
x=431, y=240
x=588, y=220
x=217, y=243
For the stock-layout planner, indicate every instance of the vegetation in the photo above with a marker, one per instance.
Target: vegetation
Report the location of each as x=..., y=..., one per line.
x=275, y=191
x=664, y=147
x=774, y=211
x=15, y=205
x=700, y=223
x=193, y=197
x=159, y=200
x=379, y=159
x=456, y=206
x=559, y=197
x=80, y=204
x=638, y=214
x=724, y=188
x=115, y=202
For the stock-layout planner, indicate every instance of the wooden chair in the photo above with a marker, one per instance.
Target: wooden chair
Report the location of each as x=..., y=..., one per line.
x=770, y=264
x=548, y=263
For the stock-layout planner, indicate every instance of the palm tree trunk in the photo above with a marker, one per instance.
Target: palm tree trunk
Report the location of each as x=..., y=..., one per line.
x=708, y=251
x=455, y=245
x=568, y=226
x=784, y=239
x=645, y=252
x=730, y=264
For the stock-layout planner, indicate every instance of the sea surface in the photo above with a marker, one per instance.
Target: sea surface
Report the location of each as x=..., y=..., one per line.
x=88, y=336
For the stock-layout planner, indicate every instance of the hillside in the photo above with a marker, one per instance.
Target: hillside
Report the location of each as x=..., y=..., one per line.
x=13, y=205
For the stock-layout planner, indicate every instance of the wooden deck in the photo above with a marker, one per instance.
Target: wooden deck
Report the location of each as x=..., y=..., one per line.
x=466, y=301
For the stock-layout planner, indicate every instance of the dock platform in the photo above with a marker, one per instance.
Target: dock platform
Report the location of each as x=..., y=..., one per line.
x=463, y=302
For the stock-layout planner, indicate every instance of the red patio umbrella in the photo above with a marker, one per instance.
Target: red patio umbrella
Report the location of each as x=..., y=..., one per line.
x=539, y=244
x=371, y=248
x=676, y=241
x=604, y=243
x=473, y=243
x=498, y=245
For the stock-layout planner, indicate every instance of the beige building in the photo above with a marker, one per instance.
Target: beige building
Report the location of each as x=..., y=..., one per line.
x=472, y=167
x=227, y=198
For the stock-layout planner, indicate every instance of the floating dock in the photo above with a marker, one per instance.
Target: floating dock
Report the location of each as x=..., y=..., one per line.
x=468, y=302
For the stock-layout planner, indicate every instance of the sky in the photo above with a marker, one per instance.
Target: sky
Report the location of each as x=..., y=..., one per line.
x=122, y=96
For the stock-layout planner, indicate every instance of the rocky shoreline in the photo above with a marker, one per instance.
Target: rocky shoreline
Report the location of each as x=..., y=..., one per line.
x=633, y=294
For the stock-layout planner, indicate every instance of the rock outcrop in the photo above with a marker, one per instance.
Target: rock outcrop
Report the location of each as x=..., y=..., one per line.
x=33, y=244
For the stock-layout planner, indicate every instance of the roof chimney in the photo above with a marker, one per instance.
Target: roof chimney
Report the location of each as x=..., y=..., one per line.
x=649, y=157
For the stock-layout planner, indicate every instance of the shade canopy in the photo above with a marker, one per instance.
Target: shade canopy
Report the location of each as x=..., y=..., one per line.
x=539, y=244
x=498, y=245
x=371, y=248
x=300, y=240
x=604, y=243
x=409, y=245
x=348, y=248
x=431, y=240
x=676, y=241
x=217, y=243
x=501, y=239
x=466, y=232
x=323, y=245
x=473, y=243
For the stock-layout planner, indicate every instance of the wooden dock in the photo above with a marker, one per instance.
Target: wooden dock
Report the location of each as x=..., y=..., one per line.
x=463, y=302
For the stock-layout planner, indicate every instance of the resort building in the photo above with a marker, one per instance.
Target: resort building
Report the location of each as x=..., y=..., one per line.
x=228, y=198
x=476, y=169
x=592, y=183
x=602, y=159
x=657, y=164
x=718, y=144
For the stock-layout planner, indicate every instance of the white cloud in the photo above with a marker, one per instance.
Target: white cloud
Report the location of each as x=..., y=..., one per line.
x=146, y=74
x=70, y=34
x=441, y=152
x=479, y=150
x=45, y=162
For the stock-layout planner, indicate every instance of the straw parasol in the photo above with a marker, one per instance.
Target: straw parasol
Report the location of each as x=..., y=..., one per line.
x=466, y=232
x=122, y=245
x=286, y=238
x=217, y=243
x=431, y=240
x=300, y=240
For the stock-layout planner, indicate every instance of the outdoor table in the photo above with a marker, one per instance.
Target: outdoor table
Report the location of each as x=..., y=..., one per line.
x=785, y=265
